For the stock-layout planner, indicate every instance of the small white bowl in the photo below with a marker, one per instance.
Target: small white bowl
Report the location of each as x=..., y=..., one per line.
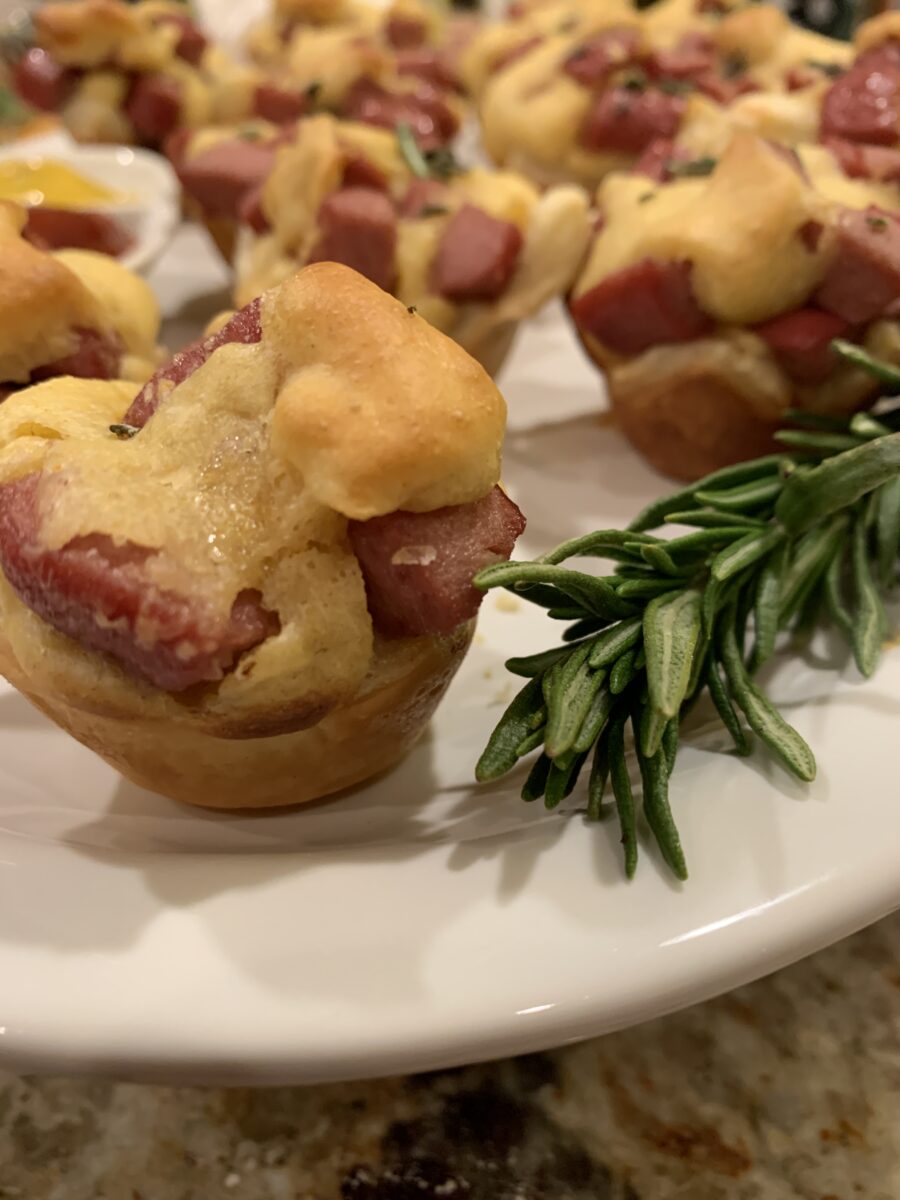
x=153, y=210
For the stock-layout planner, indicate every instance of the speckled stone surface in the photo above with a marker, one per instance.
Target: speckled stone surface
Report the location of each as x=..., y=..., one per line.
x=787, y=1088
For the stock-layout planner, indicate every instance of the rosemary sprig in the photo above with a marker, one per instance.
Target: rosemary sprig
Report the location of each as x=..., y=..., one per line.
x=778, y=544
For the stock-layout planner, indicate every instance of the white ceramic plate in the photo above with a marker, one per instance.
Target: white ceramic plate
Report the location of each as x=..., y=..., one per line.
x=423, y=921
x=154, y=199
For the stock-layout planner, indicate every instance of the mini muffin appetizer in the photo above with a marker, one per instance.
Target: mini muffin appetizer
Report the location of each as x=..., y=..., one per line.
x=711, y=301
x=578, y=104
x=73, y=312
x=116, y=72
x=255, y=587
x=860, y=112
x=474, y=252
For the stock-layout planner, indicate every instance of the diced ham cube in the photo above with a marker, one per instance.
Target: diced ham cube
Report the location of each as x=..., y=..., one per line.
x=358, y=227
x=418, y=567
x=279, y=104
x=362, y=172
x=863, y=279
x=881, y=163
x=801, y=342
x=428, y=65
x=628, y=120
x=476, y=257
x=96, y=356
x=597, y=58
x=192, y=43
x=724, y=91
x=863, y=106
x=41, y=81
x=405, y=33
x=222, y=175
x=694, y=55
x=153, y=107
x=424, y=110
x=644, y=305
x=71, y=229
x=421, y=195
x=99, y=593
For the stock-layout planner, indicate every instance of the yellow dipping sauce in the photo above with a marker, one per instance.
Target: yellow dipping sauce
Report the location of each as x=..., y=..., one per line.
x=42, y=181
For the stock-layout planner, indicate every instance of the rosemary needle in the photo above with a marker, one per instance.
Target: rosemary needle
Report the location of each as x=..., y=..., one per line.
x=812, y=534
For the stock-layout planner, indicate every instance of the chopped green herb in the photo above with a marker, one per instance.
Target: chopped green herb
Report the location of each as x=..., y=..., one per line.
x=694, y=168
x=124, y=431
x=832, y=70
x=734, y=65
x=645, y=197
x=877, y=223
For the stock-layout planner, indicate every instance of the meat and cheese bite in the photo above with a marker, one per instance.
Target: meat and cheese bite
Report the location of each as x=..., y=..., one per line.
x=116, y=72
x=474, y=253
x=577, y=103
x=259, y=597
x=711, y=301
x=71, y=312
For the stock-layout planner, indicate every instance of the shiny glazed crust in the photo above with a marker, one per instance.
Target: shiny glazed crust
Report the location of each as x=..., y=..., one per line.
x=353, y=742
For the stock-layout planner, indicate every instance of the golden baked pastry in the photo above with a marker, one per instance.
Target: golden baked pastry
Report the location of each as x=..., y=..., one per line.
x=69, y=312
x=474, y=252
x=573, y=95
x=259, y=597
x=710, y=301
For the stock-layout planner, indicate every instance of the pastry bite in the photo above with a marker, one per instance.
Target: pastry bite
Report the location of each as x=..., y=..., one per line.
x=70, y=312
x=710, y=301
x=473, y=252
x=116, y=72
x=592, y=93
x=250, y=584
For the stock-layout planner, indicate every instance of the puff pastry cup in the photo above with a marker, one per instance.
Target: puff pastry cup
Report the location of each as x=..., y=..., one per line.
x=710, y=302
x=70, y=312
x=572, y=92
x=118, y=72
x=474, y=253
x=260, y=597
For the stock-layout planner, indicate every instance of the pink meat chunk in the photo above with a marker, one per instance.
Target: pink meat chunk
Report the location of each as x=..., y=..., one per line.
x=418, y=567
x=41, y=81
x=655, y=162
x=358, y=227
x=429, y=65
x=591, y=62
x=421, y=195
x=644, y=305
x=423, y=110
x=694, y=55
x=881, y=163
x=154, y=107
x=863, y=278
x=96, y=356
x=65, y=229
x=219, y=177
x=724, y=91
x=360, y=172
x=863, y=106
x=801, y=342
x=476, y=256
x=244, y=328
x=279, y=104
x=405, y=33
x=628, y=121
x=192, y=43
x=99, y=593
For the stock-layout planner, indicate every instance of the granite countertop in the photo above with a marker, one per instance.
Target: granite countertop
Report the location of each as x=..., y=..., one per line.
x=789, y=1087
